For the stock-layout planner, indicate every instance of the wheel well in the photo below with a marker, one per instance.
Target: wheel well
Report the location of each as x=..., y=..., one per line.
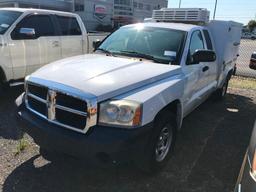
x=175, y=109
x=230, y=73
x=2, y=76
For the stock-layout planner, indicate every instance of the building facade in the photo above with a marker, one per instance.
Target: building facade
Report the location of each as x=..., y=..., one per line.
x=144, y=8
x=132, y=11
x=61, y=5
x=97, y=14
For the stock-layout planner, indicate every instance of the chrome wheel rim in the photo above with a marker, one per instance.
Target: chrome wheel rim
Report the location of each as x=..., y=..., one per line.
x=163, y=144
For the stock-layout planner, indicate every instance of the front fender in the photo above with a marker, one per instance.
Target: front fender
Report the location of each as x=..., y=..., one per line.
x=157, y=96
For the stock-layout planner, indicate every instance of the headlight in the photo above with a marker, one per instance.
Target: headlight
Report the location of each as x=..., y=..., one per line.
x=121, y=113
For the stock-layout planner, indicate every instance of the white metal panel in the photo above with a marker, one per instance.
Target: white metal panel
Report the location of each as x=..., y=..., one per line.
x=176, y=26
x=30, y=10
x=226, y=37
x=105, y=76
x=71, y=46
x=5, y=61
x=156, y=96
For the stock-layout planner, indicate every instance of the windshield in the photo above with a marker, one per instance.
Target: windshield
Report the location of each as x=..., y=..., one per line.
x=7, y=18
x=158, y=44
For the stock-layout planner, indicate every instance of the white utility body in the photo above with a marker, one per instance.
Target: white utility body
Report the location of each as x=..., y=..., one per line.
x=32, y=38
x=143, y=75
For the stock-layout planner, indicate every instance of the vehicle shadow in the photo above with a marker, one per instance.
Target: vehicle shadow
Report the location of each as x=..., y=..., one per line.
x=9, y=128
x=207, y=157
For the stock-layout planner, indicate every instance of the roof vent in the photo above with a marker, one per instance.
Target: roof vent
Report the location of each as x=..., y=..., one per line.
x=184, y=15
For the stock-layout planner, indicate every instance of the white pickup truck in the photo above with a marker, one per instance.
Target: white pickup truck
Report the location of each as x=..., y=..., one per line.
x=31, y=38
x=128, y=100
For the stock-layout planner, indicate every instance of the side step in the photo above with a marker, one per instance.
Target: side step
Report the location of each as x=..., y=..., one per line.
x=14, y=83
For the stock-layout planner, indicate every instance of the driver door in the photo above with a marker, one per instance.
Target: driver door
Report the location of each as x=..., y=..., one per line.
x=196, y=74
x=31, y=51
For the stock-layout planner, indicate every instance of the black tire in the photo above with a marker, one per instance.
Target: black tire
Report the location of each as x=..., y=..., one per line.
x=222, y=92
x=4, y=86
x=153, y=161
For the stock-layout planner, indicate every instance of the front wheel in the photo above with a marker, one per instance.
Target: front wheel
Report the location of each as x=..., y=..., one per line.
x=161, y=143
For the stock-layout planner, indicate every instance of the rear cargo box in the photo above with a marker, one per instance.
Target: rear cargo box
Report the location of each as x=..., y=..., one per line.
x=226, y=36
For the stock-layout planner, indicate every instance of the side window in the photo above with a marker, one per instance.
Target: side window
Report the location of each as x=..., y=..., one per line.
x=69, y=26
x=41, y=24
x=208, y=40
x=196, y=43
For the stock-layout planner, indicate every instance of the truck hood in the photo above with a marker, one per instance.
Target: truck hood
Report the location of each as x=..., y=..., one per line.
x=104, y=76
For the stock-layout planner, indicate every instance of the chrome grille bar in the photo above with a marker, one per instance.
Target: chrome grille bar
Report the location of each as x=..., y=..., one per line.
x=51, y=104
x=71, y=110
x=36, y=98
x=55, y=121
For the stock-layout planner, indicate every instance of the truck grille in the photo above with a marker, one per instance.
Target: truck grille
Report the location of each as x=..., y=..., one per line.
x=57, y=107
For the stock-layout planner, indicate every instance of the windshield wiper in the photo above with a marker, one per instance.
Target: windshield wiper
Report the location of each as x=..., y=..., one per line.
x=104, y=51
x=144, y=56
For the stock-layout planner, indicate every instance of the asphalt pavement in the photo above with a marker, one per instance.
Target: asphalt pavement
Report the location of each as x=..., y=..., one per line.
x=207, y=157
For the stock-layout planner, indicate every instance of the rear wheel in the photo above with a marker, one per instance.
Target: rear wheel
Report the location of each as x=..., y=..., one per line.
x=221, y=92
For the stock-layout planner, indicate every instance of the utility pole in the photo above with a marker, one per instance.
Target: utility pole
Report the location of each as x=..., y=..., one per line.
x=180, y=4
x=214, y=14
x=72, y=5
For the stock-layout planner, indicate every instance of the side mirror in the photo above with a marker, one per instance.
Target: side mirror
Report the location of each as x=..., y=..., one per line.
x=204, y=56
x=253, y=61
x=96, y=44
x=27, y=33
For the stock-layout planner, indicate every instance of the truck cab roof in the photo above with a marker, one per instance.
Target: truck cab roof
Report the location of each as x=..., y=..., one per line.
x=176, y=26
x=32, y=10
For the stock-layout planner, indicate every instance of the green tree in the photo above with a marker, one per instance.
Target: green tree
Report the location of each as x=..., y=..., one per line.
x=252, y=25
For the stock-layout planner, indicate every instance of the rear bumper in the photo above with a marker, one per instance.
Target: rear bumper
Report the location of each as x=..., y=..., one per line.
x=103, y=143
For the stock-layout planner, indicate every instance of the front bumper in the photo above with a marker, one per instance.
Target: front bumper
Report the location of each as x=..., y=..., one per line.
x=245, y=182
x=103, y=143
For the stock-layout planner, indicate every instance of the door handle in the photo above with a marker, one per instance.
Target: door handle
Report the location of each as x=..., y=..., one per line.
x=206, y=68
x=56, y=43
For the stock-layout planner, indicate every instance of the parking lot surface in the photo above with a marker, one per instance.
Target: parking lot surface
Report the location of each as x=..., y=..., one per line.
x=207, y=157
